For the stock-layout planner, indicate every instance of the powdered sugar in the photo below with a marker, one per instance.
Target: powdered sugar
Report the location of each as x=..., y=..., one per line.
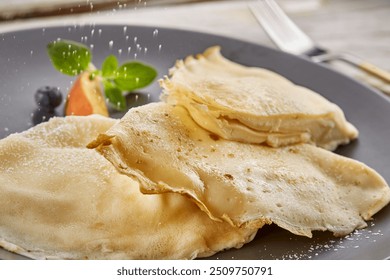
x=352, y=241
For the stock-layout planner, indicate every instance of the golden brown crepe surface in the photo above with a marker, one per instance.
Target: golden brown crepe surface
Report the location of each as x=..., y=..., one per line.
x=59, y=200
x=301, y=188
x=254, y=105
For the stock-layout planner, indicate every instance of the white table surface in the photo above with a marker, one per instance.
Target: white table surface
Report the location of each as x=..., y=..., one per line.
x=357, y=26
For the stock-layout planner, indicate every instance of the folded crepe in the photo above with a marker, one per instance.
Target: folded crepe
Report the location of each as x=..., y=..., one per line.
x=254, y=105
x=60, y=200
x=301, y=188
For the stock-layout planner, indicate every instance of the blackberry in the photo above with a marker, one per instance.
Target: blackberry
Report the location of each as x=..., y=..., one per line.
x=48, y=97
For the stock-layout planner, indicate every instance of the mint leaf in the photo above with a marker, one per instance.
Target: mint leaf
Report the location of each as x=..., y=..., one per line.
x=114, y=96
x=69, y=57
x=133, y=75
x=110, y=64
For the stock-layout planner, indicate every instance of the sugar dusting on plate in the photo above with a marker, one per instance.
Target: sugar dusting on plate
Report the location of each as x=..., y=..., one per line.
x=349, y=242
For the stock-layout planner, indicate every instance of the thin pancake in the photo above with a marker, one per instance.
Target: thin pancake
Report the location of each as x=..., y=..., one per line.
x=252, y=104
x=300, y=188
x=60, y=200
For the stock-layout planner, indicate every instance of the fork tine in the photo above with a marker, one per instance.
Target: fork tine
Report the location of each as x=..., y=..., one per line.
x=282, y=30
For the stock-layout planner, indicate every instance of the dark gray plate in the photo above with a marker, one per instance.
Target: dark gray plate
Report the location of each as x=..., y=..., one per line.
x=24, y=67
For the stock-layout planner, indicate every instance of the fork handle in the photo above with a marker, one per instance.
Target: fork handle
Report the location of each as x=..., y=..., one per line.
x=375, y=70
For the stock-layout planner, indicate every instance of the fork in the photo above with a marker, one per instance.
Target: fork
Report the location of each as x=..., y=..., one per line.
x=290, y=38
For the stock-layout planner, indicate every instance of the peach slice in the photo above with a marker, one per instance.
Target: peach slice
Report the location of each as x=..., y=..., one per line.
x=86, y=97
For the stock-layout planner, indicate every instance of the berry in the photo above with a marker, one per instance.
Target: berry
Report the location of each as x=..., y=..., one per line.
x=42, y=114
x=48, y=97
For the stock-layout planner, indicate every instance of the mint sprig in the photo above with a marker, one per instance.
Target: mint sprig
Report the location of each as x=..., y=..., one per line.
x=72, y=58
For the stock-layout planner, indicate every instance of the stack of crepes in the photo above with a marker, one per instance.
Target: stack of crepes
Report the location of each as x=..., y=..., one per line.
x=231, y=149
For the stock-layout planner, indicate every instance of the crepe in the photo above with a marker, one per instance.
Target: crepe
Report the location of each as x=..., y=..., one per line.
x=60, y=200
x=301, y=188
x=253, y=105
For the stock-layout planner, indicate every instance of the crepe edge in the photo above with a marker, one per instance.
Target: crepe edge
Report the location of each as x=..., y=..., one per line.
x=214, y=52
x=104, y=145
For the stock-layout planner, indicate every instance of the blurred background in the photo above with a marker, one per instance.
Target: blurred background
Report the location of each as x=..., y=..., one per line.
x=360, y=27
x=39, y=8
